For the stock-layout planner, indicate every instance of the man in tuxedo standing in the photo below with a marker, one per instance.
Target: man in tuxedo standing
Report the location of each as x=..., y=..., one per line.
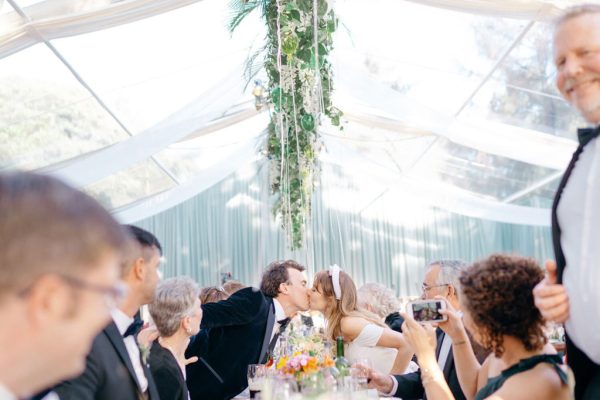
x=243, y=330
x=115, y=369
x=441, y=279
x=59, y=271
x=570, y=292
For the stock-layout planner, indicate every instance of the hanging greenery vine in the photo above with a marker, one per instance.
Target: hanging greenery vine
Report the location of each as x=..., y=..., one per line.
x=299, y=39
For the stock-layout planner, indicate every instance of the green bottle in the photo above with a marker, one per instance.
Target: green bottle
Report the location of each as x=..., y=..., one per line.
x=342, y=365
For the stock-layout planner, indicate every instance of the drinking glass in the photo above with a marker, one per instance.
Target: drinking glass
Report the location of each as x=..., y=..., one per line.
x=256, y=375
x=360, y=374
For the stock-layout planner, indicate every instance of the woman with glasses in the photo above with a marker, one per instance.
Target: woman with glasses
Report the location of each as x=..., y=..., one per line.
x=177, y=314
x=365, y=335
x=498, y=310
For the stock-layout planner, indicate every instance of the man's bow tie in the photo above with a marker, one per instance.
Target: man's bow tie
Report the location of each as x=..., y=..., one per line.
x=586, y=134
x=134, y=328
x=283, y=323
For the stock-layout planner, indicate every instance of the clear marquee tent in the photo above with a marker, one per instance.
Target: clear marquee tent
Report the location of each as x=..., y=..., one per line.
x=453, y=144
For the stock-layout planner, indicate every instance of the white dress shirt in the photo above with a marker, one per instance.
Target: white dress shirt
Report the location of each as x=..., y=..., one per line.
x=579, y=219
x=123, y=321
x=5, y=394
x=279, y=315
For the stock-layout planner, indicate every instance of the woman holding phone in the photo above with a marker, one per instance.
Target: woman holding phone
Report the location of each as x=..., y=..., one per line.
x=497, y=302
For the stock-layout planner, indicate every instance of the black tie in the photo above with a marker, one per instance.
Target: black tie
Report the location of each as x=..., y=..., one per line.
x=134, y=328
x=283, y=323
x=586, y=134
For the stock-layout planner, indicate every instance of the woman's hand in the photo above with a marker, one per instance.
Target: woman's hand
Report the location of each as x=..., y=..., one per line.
x=453, y=327
x=420, y=337
x=146, y=336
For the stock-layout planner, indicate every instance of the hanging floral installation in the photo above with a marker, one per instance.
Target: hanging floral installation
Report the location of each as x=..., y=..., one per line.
x=299, y=39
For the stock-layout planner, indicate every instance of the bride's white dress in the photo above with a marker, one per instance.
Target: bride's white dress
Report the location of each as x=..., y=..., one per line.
x=364, y=346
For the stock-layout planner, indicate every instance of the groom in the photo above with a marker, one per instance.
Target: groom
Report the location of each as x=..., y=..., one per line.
x=243, y=330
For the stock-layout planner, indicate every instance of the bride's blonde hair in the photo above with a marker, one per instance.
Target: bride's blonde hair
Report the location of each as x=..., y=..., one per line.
x=347, y=306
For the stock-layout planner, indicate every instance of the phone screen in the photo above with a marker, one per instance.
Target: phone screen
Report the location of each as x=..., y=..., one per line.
x=427, y=311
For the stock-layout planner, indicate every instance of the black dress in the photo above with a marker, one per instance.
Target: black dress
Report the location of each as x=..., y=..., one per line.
x=167, y=374
x=495, y=383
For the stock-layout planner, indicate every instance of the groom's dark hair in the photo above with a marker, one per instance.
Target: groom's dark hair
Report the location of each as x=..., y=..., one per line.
x=276, y=274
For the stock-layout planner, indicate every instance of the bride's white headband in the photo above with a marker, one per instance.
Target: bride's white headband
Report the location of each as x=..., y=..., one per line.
x=334, y=272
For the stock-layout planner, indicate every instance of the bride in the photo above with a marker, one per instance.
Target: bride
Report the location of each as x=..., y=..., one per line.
x=365, y=336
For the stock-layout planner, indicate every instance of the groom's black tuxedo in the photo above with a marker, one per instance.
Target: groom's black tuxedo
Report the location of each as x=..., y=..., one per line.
x=109, y=373
x=233, y=335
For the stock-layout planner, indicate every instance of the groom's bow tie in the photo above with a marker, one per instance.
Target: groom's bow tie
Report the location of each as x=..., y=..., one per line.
x=586, y=134
x=134, y=328
x=283, y=323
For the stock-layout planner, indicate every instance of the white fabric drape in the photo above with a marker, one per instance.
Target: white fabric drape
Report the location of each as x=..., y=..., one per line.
x=356, y=93
x=437, y=194
x=209, y=106
x=539, y=10
x=52, y=19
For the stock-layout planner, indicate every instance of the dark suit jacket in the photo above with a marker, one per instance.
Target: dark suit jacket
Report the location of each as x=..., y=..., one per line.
x=167, y=374
x=232, y=337
x=394, y=321
x=411, y=387
x=109, y=374
x=584, y=369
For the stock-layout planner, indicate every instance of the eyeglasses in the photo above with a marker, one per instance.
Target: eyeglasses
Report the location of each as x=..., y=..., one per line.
x=426, y=288
x=113, y=295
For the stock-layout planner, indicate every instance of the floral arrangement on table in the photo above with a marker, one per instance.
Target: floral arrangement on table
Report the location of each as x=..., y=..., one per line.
x=301, y=364
x=312, y=344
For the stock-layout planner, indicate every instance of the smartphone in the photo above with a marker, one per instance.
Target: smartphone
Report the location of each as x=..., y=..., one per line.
x=427, y=310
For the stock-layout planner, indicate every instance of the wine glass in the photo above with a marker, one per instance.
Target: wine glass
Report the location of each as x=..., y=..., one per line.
x=360, y=372
x=256, y=375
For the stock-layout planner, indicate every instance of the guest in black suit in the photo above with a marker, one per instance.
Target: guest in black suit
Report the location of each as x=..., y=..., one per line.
x=114, y=368
x=59, y=254
x=570, y=292
x=441, y=279
x=242, y=330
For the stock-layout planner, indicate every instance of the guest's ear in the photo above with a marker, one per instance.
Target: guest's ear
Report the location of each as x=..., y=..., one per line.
x=48, y=300
x=139, y=268
x=283, y=288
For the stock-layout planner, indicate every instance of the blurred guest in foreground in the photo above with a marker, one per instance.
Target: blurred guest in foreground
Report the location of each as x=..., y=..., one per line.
x=115, y=369
x=59, y=269
x=570, y=292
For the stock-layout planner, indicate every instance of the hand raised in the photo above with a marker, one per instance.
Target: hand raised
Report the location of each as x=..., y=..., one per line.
x=550, y=297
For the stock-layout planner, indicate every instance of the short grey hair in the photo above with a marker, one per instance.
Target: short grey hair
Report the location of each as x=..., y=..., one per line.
x=381, y=299
x=576, y=11
x=174, y=300
x=450, y=272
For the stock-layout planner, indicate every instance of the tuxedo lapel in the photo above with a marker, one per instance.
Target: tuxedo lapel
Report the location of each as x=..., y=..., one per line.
x=268, y=332
x=439, y=338
x=116, y=339
x=152, y=390
x=449, y=364
x=558, y=253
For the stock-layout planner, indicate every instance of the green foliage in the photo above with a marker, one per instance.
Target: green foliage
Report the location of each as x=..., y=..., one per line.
x=300, y=91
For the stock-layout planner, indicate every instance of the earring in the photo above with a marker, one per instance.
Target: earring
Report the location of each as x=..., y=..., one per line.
x=189, y=331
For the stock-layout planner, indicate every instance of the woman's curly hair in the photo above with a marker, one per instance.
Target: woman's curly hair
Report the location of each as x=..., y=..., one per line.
x=498, y=294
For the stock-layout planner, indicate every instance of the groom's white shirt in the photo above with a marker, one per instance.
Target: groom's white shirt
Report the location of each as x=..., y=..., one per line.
x=279, y=315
